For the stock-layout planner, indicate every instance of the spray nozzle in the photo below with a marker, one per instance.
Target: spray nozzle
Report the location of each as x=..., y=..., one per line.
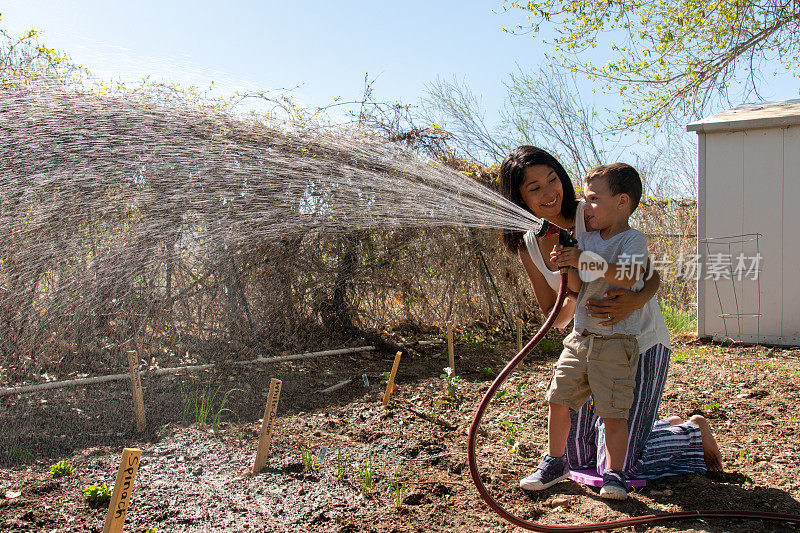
x=565, y=238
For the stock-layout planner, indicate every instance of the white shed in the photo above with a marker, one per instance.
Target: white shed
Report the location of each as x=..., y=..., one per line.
x=748, y=204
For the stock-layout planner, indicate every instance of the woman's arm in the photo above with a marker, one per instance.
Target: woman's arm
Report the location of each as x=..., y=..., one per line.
x=545, y=295
x=618, y=304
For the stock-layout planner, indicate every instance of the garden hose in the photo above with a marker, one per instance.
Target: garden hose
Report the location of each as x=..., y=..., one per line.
x=596, y=526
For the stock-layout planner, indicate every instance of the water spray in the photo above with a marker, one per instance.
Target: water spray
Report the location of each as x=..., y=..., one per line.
x=545, y=228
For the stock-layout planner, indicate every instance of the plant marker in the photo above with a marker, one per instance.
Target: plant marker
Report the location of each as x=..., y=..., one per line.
x=323, y=452
x=123, y=488
x=519, y=335
x=390, y=385
x=451, y=354
x=266, y=426
x=136, y=386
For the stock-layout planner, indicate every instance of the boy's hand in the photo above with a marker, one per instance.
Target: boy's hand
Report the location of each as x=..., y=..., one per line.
x=565, y=257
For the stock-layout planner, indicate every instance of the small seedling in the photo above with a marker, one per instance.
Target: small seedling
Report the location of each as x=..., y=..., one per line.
x=487, y=372
x=712, y=407
x=397, y=488
x=310, y=461
x=20, y=454
x=518, y=391
x=546, y=345
x=97, y=497
x=366, y=476
x=199, y=404
x=150, y=530
x=61, y=469
x=341, y=464
x=499, y=394
x=512, y=428
x=451, y=381
x=679, y=356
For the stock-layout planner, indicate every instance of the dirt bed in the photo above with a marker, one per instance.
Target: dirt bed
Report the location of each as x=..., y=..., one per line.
x=197, y=478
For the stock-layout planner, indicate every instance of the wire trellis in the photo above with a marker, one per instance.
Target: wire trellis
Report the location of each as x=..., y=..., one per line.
x=739, y=315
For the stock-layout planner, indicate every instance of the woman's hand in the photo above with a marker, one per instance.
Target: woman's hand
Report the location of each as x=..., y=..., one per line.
x=616, y=305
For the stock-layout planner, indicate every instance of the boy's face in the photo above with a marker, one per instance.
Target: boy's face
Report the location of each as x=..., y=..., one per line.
x=603, y=209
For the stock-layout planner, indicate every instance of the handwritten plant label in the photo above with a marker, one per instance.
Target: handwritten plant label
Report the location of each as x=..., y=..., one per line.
x=123, y=489
x=390, y=385
x=365, y=379
x=138, y=396
x=265, y=439
x=323, y=452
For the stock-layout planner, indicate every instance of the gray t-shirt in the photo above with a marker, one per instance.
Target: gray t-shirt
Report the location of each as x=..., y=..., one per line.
x=628, y=247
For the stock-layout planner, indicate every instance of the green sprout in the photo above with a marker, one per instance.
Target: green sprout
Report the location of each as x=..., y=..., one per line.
x=61, y=469
x=511, y=428
x=97, y=497
x=397, y=488
x=679, y=356
x=451, y=381
x=310, y=461
x=199, y=405
x=341, y=464
x=366, y=476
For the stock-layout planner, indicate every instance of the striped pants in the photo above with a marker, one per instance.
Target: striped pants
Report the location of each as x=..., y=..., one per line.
x=655, y=448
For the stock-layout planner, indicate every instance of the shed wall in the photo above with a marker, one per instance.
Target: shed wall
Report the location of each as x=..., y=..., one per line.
x=747, y=176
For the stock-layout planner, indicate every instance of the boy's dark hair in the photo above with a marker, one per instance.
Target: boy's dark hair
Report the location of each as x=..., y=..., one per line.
x=512, y=174
x=621, y=178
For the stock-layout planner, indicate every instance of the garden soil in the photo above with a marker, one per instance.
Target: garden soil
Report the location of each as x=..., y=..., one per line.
x=196, y=477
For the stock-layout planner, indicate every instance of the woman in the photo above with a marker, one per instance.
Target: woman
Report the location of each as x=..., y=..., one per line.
x=536, y=181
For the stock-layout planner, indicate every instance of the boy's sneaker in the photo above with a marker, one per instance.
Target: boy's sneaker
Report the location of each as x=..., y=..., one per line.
x=614, y=486
x=549, y=472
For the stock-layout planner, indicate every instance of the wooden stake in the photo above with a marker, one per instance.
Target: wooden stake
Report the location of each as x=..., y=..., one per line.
x=390, y=385
x=519, y=335
x=451, y=354
x=123, y=488
x=136, y=387
x=265, y=439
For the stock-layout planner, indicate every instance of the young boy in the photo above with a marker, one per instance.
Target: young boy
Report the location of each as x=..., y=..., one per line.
x=598, y=360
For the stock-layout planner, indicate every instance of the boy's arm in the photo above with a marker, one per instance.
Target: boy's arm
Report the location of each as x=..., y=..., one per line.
x=574, y=282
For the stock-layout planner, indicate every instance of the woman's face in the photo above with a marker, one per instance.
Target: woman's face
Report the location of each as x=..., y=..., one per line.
x=542, y=191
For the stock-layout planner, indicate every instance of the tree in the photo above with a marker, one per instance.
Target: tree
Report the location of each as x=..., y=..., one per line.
x=23, y=58
x=543, y=108
x=547, y=103
x=453, y=103
x=669, y=57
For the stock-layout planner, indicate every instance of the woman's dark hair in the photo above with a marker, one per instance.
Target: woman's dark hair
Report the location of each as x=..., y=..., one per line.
x=512, y=174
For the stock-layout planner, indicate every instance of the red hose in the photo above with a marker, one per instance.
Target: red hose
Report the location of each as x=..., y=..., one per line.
x=597, y=526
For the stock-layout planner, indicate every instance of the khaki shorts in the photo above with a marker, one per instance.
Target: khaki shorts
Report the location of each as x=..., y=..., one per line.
x=602, y=366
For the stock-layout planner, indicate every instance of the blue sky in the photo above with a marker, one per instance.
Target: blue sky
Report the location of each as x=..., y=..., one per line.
x=318, y=50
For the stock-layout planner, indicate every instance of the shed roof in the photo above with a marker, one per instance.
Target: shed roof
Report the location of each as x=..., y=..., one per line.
x=751, y=116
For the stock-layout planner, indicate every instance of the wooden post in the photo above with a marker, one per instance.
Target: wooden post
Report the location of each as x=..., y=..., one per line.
x=451, y=354
x=123, y=488
x=136, y=387
x=265, y=439
x=390, y=385
x=519, y=335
